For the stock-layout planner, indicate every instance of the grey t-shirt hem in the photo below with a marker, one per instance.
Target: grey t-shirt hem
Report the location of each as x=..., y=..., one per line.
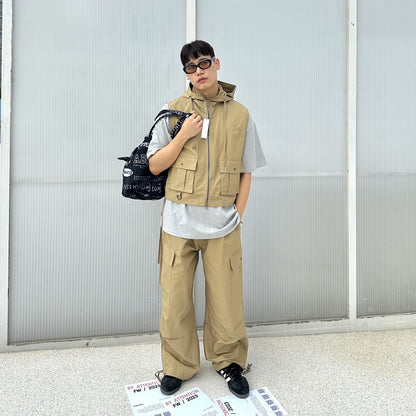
x=195, y=222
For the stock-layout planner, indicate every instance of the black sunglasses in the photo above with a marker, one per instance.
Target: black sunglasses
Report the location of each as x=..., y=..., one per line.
x=204, y=64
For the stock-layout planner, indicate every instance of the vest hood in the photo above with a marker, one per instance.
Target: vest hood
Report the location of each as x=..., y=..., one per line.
x=225, y=93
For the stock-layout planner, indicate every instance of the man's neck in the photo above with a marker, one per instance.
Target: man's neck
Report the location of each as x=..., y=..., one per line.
x=211, y=93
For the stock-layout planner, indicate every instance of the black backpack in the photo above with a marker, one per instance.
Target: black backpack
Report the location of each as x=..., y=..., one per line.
x=138, y=181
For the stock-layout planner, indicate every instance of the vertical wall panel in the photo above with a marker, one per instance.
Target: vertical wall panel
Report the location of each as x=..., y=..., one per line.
x=288, y=60
x=88, y=78
x=386, y=157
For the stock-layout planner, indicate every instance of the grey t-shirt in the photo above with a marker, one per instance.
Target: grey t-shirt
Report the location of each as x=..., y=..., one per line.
x=200, y=222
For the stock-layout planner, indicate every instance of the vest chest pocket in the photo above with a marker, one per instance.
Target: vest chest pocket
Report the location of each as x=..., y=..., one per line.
x=230, y=177
x=182, y=175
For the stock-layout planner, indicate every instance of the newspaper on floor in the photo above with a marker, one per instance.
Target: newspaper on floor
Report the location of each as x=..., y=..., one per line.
x=260, y=402
x=146, y=399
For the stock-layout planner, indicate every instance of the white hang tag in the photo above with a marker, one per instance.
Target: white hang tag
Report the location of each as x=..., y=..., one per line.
x=205, y=126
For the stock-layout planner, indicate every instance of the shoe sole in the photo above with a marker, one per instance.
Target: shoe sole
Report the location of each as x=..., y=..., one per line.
x=240, y=396
x=169, y=393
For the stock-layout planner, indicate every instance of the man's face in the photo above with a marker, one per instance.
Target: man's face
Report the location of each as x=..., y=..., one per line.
x=204, y=81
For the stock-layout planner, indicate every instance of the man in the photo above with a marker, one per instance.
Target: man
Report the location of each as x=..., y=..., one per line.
x=210, y=161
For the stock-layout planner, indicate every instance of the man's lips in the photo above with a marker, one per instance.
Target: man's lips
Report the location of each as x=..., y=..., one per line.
x=202, y=79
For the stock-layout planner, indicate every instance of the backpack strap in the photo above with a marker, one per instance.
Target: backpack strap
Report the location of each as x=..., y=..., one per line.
x=172, y=113
x=167, y=113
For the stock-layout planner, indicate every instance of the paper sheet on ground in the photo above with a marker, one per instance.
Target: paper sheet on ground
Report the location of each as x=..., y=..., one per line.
x=260, y=402
x=146, y=399
x=144, y=395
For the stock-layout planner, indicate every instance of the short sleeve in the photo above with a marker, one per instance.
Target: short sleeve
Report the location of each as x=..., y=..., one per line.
x=253, y=156
x=161, y=135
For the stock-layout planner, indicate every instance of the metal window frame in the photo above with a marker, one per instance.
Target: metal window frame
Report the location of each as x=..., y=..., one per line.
x=352, y=158
x=350, y=324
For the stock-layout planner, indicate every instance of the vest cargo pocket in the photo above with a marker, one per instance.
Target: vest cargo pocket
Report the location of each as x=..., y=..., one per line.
x=230, y=177
x=182, y=175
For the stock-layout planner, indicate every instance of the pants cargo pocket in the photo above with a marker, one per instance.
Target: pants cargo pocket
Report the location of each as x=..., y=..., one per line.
x=166, y=271
x=236, y=261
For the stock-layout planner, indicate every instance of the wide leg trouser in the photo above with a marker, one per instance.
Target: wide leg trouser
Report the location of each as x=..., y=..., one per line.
x=225, y=339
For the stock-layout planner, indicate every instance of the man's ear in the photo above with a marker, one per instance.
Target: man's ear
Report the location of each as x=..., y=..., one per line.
x=218, y=63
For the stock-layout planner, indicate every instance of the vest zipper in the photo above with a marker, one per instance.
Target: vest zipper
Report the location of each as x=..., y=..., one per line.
x=206, y=200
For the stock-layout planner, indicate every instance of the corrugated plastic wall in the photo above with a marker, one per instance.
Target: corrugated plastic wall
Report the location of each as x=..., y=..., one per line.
x=88, y=77
x=386, y=157
x=288, y=60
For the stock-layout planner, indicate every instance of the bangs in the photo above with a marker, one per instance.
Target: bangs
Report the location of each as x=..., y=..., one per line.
x=196, y=49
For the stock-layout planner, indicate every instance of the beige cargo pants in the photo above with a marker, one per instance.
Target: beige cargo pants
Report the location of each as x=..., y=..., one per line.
x=225, y=339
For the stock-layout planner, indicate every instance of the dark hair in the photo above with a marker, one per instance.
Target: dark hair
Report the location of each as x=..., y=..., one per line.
x=195, y=49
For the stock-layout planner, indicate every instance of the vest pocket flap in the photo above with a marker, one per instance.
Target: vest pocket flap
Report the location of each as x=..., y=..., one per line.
x=188, y=164
x=236, y=260
x=231, y=167
x=182, y=175
x=230, y=176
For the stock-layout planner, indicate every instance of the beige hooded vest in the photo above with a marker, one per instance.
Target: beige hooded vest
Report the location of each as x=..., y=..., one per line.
x=207, y=171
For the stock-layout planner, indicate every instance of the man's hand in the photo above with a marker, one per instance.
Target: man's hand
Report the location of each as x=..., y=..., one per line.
x=242, y=197
x=191, y=126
